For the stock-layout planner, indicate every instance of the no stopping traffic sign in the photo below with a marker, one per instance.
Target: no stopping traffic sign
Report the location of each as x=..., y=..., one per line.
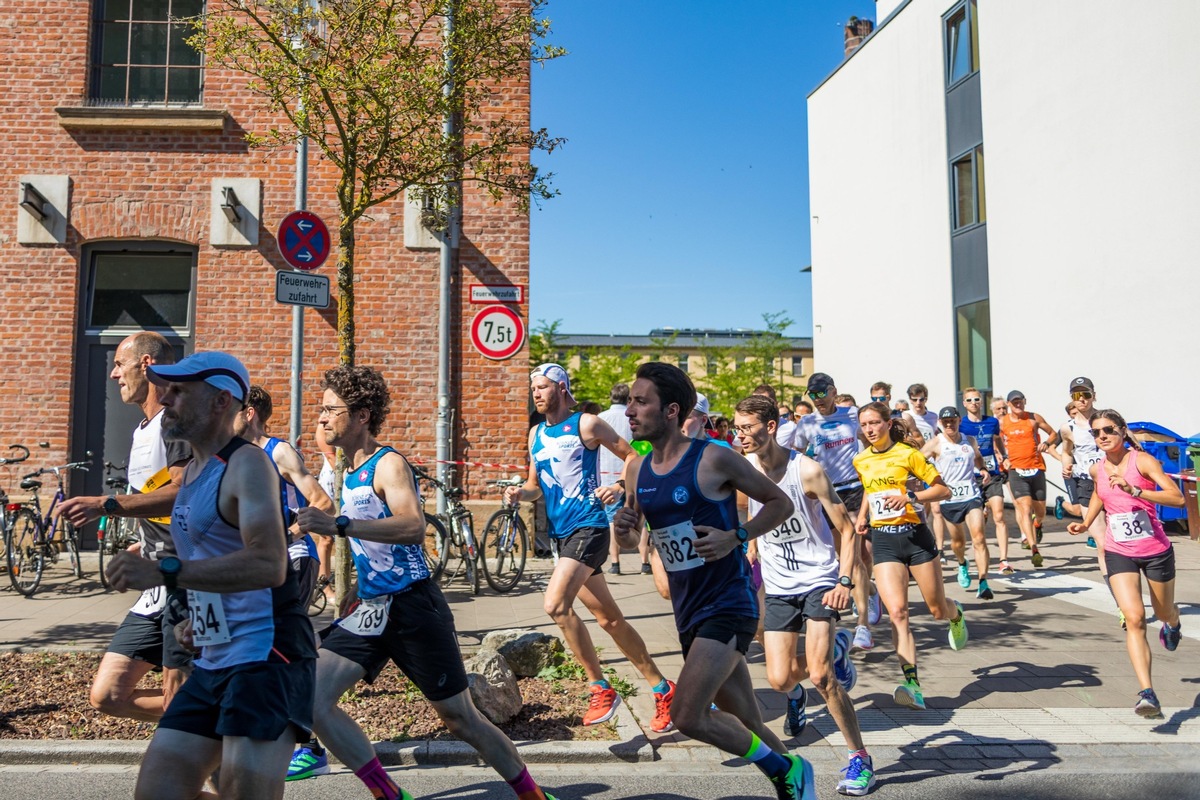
x=497, y=332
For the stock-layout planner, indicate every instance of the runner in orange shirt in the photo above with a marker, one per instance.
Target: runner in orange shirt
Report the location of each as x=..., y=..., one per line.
x=1026, y=467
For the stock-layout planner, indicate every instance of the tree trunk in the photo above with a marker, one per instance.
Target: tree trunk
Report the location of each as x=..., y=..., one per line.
x=342, y=565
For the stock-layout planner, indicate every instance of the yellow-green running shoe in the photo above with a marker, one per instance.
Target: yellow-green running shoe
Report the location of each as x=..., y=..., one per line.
x=958, y=629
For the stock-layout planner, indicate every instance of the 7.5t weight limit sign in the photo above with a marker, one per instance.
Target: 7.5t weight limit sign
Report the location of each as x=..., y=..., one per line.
x=497, y=332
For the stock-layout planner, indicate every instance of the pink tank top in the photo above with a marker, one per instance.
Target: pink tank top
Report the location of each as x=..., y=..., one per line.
x=1134, y=529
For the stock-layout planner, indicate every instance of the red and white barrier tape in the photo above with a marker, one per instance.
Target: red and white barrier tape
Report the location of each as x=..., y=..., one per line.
x=522, y=467
x=1188, y=478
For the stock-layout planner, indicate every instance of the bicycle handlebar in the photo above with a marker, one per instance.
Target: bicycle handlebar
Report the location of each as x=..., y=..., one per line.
x=24, y=454
x=56, y=471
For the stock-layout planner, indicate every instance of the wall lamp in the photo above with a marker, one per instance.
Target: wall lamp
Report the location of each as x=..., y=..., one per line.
x=230, y=205
x=33, y=201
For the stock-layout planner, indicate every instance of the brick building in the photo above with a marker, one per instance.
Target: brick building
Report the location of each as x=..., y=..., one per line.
x=131, y=160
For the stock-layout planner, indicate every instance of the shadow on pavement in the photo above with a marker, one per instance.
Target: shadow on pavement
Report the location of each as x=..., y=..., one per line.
x=959, y=751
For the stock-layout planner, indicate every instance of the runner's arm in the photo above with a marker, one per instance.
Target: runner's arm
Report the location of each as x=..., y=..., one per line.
x=1041, y=424
x=627, y=522
x=1095, y=506
x=721, y=466
x=595, y=431
x=395, y=485
x=158, y=503
x=1168, y=493
x=530, y=490
x=1067, y=455
x=816, y=484
x=292, y=468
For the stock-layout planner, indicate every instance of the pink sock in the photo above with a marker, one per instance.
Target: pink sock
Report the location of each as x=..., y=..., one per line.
x=525, y=786
x=376, y=779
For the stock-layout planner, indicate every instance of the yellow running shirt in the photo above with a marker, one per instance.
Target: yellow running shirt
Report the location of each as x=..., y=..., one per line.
x=886, y=474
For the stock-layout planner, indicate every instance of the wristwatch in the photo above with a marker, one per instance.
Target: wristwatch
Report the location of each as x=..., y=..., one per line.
x=1135, y=491
x=342, y=523
x=743, y=535
x=845, y=581
x=912, y=497
x=169, y=567
x=111, y=507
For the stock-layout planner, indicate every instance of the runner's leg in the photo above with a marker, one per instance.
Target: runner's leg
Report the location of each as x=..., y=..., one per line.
x=975, y=525
x=114, y=690
x=891, y=579
x=1127, y=588
x=818, y=650
x=599, y=600
x=337, y=729
x=568, y=578
x=717, y=671
x=177, y=764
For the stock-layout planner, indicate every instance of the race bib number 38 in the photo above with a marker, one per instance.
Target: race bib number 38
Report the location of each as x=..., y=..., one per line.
x=677, y=546
x=1130, y=526
x=881, y=512
x=207, y=614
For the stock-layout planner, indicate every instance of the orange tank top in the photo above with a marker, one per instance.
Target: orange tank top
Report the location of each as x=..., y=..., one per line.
x=1021, y=439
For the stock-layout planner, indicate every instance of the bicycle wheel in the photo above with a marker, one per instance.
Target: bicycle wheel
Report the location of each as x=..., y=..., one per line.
x=437, y=546
x=503, y=549
x=26, y=561
x=71, y=542
x=318, y=601
x=473, y=570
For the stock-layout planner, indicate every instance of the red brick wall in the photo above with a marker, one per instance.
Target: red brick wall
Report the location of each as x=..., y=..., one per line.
x=155, y=185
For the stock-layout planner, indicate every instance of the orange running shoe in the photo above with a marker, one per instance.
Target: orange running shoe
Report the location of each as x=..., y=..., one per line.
x=662, y=710
x=602, y=705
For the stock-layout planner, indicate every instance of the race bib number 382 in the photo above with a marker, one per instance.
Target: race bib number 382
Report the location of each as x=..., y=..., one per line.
x=677, y=546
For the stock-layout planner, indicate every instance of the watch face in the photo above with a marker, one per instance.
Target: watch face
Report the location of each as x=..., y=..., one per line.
x=110, y=505
x=342, y=521
x=170, y=565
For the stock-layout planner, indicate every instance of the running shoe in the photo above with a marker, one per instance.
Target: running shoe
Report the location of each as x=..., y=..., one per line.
x=862, y=640
x=614, y=569
x=958, y=630
x=964, y=575
x=307, y=764
x=1006, y=568
x=797, y=784
x=1024, y=544
x=1170, y=636
x=985, y=591
x=1058, y=508
x=859, y=777
x=874, y=609
x=1121, y=617
x=646, y=570
x=1037, y=559
x=796, y=716
x=908, y=694
x=662, y=710
x=1091, y=542
x=601, y=705
x=843, y=668
x=1037, y=527
x=1148, y=705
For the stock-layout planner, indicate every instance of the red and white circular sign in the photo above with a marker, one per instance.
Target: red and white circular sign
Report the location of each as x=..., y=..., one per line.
x=497, y=332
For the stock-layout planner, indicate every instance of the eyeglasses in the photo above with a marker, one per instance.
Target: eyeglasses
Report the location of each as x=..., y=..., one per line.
x=882, y=399
x=972, y=399
x=331, y=411
x=1107, y=430
x=740, y=429
x=1081, y=395
x=815, y=395
x=916, y=399
x=784, y=414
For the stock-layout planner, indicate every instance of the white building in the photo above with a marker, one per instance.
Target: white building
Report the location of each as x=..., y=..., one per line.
x=1079, y=258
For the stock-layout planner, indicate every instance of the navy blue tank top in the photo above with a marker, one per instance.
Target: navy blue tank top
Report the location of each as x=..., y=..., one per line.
x=673, y=504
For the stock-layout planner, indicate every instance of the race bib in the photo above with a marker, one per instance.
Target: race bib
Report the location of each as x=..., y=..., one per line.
x=962, y=491
x=792, y=530
x=989, y=463
x=677, y=546
x=369, y=617
x=1130, y=526
x=151, y=603
x=1028, y=473
x=878, y=510
x=207, y=614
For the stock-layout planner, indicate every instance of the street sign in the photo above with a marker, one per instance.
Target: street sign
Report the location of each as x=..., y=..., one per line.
x=497, y=293
x=497, y=332
x=298, y=289
x=303, y=240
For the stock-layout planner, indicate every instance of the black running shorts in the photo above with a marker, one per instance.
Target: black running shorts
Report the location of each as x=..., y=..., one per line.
x=910, y=547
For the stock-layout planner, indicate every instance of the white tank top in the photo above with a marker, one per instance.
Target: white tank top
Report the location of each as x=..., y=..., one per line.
x=798, y=557
x=927, y=424
x=956, y=464
x=1086, y=453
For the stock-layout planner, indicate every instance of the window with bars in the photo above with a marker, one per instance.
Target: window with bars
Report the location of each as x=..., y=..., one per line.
x=141, y=56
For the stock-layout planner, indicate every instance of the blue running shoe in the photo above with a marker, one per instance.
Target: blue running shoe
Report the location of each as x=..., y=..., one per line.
x=307, y=764
x=843, y=668
x=860, y=777
x=797, y=784
x=1148, y=705
x=797, y=715
x=874, y=609
x=1091, y=543
x=1058, y=508
x=1170, y=636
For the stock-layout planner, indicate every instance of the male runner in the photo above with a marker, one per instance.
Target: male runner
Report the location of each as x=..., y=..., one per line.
x=249, y=697
x=833, y=434
x=986, y=431
x=686, y=488
x=1026, y=467
x=145, y=639
x=806, y=568
x=1079, y=455
x=401, y=614
x=562, y=468
x=956, y=458
x=612, y=469
x=925, y=422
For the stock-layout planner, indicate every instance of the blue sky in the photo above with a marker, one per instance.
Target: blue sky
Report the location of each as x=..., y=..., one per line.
x=684, y=180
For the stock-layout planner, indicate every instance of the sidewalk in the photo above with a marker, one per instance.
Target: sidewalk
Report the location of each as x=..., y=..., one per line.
x=1046, y=665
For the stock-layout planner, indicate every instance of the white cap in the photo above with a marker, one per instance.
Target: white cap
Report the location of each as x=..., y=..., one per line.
x=701, y=405
x=555, y=373
x=213, y=367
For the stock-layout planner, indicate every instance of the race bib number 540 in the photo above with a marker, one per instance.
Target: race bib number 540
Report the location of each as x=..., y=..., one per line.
x=677, y=546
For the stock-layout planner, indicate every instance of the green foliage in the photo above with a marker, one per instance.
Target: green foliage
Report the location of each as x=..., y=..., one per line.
x=567, y=668
x=738, y=370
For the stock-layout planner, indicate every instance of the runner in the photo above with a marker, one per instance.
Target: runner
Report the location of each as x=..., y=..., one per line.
x=986, y=431
x=1026, y=469
x=611, y=469
x=1079, y=455
x=806, y=569
x=249, y=697
x=1129, y=482
x=401, y=615
x=327, y=477
x=957, y=458
x=925, y=422
x=903, y=544
x=562, y=468
x=145, y=639
x=686, y=489
x=834, y=437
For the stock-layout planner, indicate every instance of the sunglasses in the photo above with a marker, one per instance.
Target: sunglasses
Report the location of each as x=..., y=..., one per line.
x=916, y=399
x=973, y=400
x=819, y=395
x=1081, y=395
x=882, y=399
x=1107, y=430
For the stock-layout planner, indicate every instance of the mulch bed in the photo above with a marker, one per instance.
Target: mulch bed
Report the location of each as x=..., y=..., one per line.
x=44, y=696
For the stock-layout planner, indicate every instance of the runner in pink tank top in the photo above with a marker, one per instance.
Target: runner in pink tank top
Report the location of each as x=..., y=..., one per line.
x=1129, y=482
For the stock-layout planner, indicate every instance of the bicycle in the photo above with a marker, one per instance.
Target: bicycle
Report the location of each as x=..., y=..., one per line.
x=114, y=536
x=34, y=539
x=9, y=509
x=452, y=529
x=504, y=545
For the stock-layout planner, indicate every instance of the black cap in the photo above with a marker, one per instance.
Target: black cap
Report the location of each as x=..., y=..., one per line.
x=949, y=412
x=820, y=382
x=1083, y=384
x=1015, y=394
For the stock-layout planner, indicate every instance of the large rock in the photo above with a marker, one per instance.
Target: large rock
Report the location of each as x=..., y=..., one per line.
x=493, y=687
x=527, y=652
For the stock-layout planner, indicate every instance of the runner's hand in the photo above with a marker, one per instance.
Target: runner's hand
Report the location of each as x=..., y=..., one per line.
x=1076, y=528
x=127, y=571
x=183, y=635
x=311, y=519
x=1117, y=482
x=81, y=510
x=609, y=494
x=713, y=543
x=512, y=494
x=837, y=598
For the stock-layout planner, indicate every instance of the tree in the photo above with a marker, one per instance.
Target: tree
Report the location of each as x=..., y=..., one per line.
x=367, y=82
x=738, y=370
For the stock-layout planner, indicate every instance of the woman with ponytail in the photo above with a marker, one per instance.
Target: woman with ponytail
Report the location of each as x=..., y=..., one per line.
x=902, y=544
x=1129, y=482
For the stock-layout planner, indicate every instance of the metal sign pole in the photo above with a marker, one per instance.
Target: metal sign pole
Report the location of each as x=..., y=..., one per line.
x=298, y=311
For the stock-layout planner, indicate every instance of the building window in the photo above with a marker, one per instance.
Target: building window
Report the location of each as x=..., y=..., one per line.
x=797, y=367
x=973, y=326
x=141, y=56
x=962, y=42
x=970, y=205
x=149, y=290
x=683, y=361
x=710, y=365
